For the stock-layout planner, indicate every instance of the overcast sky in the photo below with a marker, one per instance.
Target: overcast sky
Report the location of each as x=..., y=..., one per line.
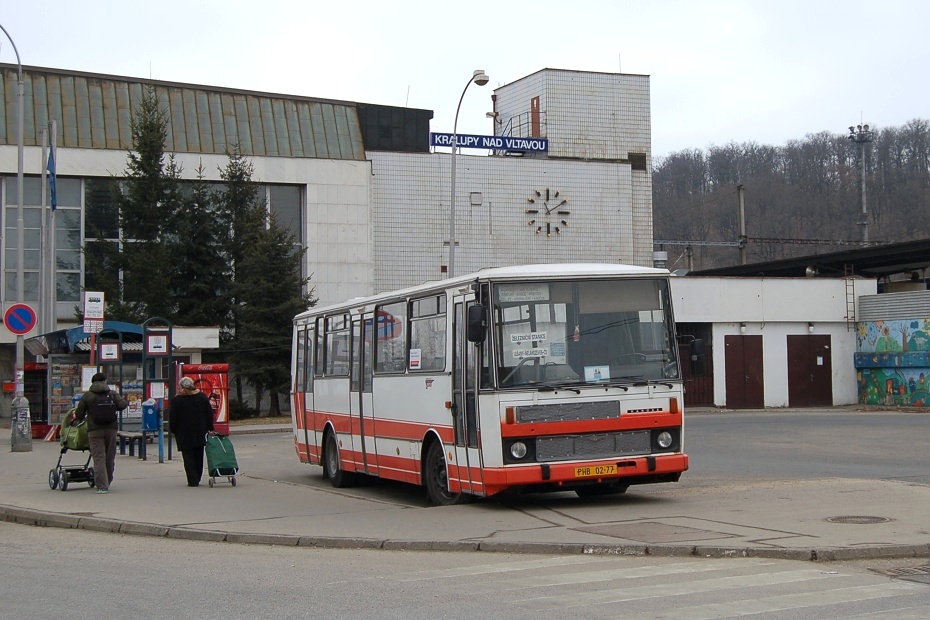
x=721, y=71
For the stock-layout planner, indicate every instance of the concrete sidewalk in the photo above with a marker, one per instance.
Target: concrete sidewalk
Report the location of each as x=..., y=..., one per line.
x=833, y=519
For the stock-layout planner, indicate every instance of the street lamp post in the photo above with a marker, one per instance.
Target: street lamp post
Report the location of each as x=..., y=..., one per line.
x=480, y=78
x=21, y=438
x=861, y=135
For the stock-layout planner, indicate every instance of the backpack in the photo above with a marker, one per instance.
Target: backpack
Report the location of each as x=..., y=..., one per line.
x=103, y=411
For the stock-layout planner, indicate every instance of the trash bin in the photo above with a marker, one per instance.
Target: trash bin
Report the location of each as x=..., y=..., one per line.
x=150, y=417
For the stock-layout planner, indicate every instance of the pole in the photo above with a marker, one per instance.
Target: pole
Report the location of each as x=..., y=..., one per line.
x=480, y=79
x=860, y=134
x=865, y=221
x=21, y=439
x=742, y=225
x=52, y=289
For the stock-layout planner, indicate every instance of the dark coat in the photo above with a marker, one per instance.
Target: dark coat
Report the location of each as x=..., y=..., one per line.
x=85, y=405
x=190, y=418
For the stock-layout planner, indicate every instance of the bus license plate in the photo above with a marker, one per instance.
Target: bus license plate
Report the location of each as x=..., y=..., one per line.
x=595, y=470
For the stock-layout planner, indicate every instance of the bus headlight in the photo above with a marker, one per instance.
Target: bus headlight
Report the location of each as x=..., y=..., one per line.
x=518, y=449
x=664, y=439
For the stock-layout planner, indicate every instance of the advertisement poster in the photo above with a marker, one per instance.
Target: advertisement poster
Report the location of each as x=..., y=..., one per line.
x=212, y=380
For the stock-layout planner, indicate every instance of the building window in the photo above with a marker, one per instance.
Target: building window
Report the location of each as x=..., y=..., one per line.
x=285, y=204
x=36, y=224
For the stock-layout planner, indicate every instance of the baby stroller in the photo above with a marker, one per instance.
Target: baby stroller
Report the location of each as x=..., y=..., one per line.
x=73, y=437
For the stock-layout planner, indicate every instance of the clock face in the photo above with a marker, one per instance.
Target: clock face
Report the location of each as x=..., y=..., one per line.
x=548, y=212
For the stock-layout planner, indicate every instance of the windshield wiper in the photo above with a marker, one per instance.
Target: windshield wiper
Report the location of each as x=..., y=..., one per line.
x=553, y=388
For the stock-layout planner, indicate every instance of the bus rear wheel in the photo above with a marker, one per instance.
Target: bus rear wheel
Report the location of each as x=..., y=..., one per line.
x=332, y=469
x=437, y=479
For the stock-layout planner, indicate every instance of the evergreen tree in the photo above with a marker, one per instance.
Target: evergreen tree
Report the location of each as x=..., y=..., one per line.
x=271, y=294
x=148, y=201
x=202, y=285
x=240, y=212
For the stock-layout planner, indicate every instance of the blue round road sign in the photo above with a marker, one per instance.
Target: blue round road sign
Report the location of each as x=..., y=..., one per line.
x=20, y=319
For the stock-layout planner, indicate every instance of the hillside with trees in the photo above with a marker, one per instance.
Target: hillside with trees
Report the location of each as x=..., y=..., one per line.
x=800, y=199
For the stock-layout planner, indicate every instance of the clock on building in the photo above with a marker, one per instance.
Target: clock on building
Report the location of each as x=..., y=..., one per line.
x=547, y=212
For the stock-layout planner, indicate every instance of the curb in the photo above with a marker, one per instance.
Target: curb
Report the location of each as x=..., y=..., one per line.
x=247, y=429
x=27, y=516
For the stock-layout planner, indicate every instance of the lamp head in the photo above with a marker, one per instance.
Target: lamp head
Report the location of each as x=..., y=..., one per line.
x=480, y=77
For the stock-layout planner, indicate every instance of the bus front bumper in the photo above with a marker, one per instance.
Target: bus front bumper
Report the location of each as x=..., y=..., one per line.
x=624, y=471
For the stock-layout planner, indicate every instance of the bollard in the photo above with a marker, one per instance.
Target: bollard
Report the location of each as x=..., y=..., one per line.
x=161, y=437
x=21, y=425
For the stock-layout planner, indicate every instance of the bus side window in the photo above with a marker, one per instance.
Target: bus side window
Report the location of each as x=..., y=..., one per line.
x=337, y=345
x=391, y=337
x=428, y=333
x=317, y=350
x=308, y=360
x=300, y=374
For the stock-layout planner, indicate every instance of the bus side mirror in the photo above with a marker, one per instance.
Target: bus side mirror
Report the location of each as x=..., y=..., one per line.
x=698, y=358
x=477, y=324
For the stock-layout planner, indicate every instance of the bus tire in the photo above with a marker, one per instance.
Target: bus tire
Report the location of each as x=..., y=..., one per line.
x=437, y=479
x=332, y=468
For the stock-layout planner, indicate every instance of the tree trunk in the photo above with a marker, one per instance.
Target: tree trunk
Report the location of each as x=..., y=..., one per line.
x=274, y=405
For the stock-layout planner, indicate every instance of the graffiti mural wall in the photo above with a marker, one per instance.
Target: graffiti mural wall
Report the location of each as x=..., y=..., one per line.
x=893, y=362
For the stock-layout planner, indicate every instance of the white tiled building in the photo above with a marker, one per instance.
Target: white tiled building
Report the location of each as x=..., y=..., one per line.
x=357, y=183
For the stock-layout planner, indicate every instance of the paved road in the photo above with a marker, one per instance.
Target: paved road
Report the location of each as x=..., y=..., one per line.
x=282, y=502
x=59, y=573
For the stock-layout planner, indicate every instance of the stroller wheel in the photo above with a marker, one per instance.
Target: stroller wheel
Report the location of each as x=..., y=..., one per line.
x=232, y=481
x=210, y=483
x=63, y=481
x=53, y=479
x=90, y=473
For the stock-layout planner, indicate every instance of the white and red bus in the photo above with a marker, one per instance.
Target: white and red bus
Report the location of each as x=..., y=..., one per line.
x=532, y=378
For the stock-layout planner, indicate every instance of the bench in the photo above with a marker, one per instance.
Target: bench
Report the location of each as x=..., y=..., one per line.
x=130, y=439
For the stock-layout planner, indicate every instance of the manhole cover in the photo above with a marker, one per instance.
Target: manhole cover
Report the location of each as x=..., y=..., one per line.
x=907, y=571
x=858, y=520
x=917, y=574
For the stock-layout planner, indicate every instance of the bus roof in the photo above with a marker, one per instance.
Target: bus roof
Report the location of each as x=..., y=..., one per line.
x=498, y=274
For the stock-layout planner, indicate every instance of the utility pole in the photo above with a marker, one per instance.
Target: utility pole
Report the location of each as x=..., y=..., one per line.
x=742, y=225
x=861, y=135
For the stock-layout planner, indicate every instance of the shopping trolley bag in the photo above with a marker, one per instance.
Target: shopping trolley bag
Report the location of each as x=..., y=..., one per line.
x=221, y=459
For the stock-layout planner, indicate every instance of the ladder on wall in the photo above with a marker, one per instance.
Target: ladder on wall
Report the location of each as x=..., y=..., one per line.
x=850, y=278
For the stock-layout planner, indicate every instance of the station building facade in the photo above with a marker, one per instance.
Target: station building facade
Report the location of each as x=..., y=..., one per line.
x=362, y=190
x=358, y=184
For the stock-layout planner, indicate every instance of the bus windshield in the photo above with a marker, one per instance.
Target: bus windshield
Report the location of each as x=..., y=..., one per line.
x=564, y=332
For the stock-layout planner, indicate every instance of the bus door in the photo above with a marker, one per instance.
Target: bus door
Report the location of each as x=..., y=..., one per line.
x=360, y=401
x=465, y=403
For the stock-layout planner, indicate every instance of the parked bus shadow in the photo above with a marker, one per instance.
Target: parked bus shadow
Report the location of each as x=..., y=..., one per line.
x=413, y=496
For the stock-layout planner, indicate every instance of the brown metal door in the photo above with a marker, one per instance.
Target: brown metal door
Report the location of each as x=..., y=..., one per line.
x=810, y=371
x=743, y=365
x=699, y=390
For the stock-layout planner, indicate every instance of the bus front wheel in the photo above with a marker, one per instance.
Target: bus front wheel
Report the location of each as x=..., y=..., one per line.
x=437, y=479
x=332, y=468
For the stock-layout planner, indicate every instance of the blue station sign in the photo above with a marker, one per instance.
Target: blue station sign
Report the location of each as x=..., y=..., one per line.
x=494, y=143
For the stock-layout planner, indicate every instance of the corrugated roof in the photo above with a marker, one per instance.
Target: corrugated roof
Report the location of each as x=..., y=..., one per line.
x=871, y=261
x=93, y=111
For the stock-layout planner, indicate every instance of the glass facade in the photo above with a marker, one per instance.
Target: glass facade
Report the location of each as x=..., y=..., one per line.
x=93, y=198
x=67, y=238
